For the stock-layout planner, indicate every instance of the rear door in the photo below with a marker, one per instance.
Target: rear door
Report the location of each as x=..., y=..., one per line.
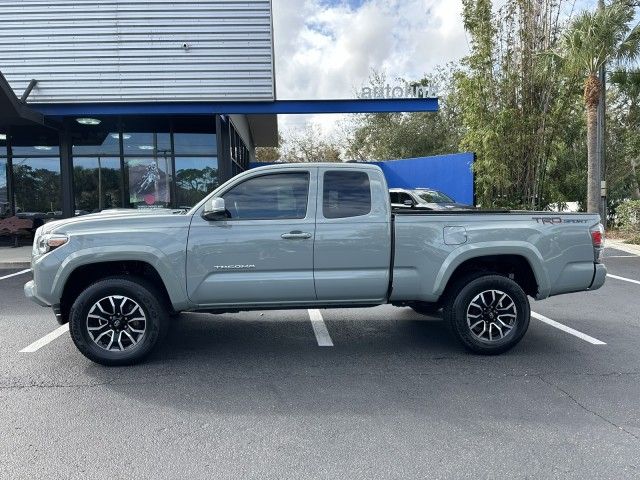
x=352, y=250
x=261, y=254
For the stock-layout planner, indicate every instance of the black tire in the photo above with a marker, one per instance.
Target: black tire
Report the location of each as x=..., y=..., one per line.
x=471, y=290
x=137, y=290
x=424, y=308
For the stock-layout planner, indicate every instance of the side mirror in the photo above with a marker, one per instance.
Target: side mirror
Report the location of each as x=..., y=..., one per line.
x=214, y=209
x=408, y=203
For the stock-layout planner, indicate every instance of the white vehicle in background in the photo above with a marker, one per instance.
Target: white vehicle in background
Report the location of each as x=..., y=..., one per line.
x=425, y=199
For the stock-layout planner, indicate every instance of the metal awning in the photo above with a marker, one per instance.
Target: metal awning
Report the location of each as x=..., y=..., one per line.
x=275, y=107
x=262, y=115
x=14, y=112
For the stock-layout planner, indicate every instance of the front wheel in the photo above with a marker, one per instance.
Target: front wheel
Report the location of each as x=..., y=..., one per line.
x=118, y=320
x=489, y=314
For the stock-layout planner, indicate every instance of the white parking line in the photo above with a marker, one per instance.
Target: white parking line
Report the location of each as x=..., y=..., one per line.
x=623, y=278
x=48, y=338
x=564, y=328
x=320, y=329
x=16, y=274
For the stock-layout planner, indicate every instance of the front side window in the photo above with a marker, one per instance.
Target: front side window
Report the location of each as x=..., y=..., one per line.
x=269, y=197
x=346, y=194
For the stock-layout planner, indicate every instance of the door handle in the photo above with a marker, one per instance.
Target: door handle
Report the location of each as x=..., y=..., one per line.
x=295, y=235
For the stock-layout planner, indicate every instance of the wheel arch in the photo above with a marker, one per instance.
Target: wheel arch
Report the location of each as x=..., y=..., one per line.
x=83, y=274
x=523, y=265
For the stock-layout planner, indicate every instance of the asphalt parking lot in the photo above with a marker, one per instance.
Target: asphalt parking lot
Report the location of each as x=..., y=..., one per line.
x=380, y=392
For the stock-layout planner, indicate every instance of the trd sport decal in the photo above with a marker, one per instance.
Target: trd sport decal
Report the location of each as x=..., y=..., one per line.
x=556, y=220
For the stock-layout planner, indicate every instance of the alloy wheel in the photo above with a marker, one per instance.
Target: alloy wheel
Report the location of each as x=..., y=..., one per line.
x=116, y=323
x=491, y=315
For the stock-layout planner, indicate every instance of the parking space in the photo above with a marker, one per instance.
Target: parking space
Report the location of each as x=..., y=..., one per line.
x=346, y=393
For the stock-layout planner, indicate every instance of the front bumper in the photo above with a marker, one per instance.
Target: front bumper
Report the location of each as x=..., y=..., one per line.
x=599, y=276
x=30, y=293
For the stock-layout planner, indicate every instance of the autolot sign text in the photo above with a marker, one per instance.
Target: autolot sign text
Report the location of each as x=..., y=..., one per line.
x=397, y=91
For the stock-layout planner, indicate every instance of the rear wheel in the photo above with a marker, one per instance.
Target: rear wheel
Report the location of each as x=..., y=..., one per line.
x=118, y=320
x=488, y=314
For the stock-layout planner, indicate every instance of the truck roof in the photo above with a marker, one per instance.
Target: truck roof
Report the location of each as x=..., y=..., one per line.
x=280, y=166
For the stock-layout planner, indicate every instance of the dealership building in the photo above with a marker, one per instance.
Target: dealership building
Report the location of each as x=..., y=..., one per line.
x=138, y=104
x=127, y=103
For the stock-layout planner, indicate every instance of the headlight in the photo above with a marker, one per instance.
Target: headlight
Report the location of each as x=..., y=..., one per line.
x=50, y=241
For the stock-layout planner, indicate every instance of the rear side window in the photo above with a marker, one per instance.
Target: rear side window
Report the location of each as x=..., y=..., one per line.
x=269, y=197
x=345, y=194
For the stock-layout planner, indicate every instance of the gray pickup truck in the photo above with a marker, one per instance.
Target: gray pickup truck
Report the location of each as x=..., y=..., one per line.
x=296, y=236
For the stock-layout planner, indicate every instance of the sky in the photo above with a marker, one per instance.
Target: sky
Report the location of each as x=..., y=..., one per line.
x=326, y=49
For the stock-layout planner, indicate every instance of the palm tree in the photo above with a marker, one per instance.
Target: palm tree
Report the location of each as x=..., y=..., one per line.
x=592, y=39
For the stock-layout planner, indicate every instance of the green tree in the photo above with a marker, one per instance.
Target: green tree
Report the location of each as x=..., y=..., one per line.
x=623, y=168
x=382, y=136
x=269, y=154
x=593, y=39
x=309, y=145
x=514, y=101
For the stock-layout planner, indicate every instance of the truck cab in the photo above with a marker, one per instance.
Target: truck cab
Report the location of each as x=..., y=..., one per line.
x=275, y=226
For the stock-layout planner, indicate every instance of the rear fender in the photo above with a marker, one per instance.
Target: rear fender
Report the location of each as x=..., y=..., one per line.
x=477, y=250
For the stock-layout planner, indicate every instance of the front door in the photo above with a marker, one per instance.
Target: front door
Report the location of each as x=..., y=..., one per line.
x=262, y=253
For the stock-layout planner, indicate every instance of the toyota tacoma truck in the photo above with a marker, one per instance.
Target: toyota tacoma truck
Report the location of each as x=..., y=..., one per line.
x=298, y=236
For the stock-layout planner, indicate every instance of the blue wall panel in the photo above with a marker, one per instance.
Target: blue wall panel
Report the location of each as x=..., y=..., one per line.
x=450, y=174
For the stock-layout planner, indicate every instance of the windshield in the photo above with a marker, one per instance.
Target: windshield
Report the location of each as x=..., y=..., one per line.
x=434, y=196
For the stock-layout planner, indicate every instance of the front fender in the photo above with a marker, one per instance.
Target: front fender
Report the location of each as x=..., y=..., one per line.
x=477, y=250
x=170, y=268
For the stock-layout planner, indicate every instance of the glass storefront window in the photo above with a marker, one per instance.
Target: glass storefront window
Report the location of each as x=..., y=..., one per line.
x=149, y=179
x=195, y=143
x=4, y=199
x=97, y=183
x=37, y=185
x=196, y=177
x=147, y=146
x=137, y=143
x=101, y=143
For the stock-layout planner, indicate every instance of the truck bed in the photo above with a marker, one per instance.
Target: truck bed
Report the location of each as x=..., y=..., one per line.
x=430, y=245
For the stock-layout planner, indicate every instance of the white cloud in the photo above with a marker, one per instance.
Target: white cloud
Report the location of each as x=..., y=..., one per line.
x=327, y=49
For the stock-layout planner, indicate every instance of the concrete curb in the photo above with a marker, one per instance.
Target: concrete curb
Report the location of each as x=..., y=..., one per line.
x=625, y=247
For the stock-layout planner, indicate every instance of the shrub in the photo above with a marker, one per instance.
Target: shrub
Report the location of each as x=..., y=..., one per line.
x=628, y=216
